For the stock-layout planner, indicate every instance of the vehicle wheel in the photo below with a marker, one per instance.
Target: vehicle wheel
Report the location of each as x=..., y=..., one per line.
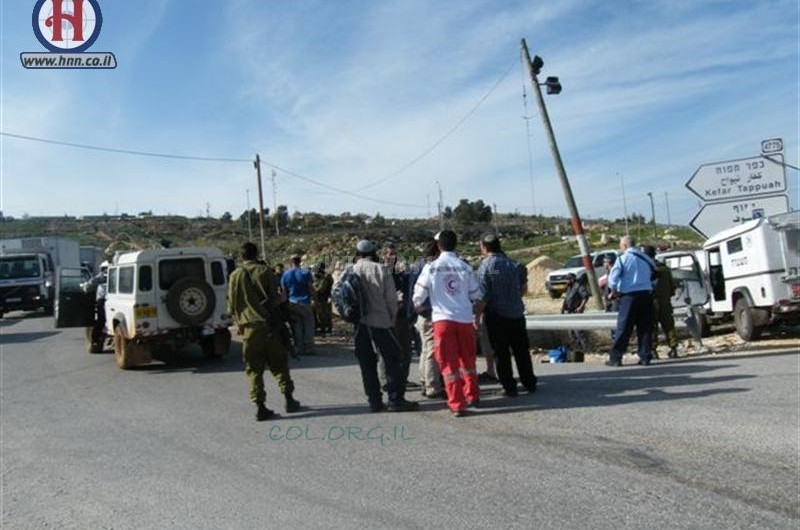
x=49, y=310
x=122, y=349
x=191, y=301
x=217, y=345
x=744, y=321
x=554, y=294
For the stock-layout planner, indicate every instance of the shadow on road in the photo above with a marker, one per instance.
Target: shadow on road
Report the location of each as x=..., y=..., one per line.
x=635, y=384
x=20, y=338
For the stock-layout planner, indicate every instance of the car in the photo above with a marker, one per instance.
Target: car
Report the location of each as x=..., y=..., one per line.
x=160, y=300
x=556, y=282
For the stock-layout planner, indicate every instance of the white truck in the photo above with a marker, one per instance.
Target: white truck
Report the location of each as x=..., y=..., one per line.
x=754, y=273
x=28, y=270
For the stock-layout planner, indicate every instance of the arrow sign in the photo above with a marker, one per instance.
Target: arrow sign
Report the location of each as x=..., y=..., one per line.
x=746, y=177
x=715, y=217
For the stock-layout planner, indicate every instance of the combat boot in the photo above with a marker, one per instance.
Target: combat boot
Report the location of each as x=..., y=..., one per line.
x=263, y=413
x=292, y=405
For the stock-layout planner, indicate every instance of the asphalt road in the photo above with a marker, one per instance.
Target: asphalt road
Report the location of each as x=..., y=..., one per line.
x=708, y=442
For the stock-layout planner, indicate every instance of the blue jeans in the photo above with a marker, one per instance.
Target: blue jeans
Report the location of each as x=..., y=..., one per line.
x=635, y=310
x=367, y=340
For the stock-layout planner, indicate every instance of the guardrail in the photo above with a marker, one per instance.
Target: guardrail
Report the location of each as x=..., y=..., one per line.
x=588, y=320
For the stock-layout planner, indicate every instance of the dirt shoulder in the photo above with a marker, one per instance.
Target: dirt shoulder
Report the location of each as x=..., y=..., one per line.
x=723, y=339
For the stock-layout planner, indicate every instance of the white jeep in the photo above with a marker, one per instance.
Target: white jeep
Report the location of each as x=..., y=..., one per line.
x=158, y=301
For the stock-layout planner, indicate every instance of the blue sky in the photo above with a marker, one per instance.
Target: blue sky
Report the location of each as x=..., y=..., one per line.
x=351, y=93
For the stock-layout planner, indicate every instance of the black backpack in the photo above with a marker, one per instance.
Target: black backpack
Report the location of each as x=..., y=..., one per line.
x=347, y=299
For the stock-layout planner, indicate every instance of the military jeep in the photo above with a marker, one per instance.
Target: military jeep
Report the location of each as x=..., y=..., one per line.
x=161, y=300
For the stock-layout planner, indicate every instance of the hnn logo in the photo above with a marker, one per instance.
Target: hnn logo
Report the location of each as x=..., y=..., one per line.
x=67, y=28
x=67, y=25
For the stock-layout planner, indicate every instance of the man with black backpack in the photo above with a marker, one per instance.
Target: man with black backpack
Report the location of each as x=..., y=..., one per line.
x=375, y=329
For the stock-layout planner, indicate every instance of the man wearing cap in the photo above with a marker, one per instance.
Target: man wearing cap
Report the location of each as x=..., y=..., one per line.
x=298, y=284
x=631, y=281
x=453, y=288
x=376, y=330
x=504, y=282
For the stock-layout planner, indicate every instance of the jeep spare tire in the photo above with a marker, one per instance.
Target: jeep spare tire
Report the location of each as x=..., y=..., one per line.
x=191, y=301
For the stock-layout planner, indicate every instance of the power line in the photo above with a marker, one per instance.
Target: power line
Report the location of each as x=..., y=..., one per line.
x=438, y=142
x=205, y=159
x=125, y=151
x=340, y=190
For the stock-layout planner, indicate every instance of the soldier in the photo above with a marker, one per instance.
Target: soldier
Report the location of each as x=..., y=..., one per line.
x=662, y=305
x=253, y=300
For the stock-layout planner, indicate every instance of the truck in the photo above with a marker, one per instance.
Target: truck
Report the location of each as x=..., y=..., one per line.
x=753, y=272
x=556, y=281
x=91, y=258
x=28, y=271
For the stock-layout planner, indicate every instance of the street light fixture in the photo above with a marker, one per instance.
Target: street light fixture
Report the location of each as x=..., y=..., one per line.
x=554, y=87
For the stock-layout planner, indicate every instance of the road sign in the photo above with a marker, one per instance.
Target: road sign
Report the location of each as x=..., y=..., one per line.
x=743, y=178
x=773, y=145
x=714, y=217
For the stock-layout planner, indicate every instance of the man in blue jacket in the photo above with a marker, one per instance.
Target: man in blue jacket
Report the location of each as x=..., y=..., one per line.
x=631, y=282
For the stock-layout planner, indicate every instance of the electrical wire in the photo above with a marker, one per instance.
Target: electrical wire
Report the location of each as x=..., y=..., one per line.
x=124, y=151
x=438, y=142
x=206, y=159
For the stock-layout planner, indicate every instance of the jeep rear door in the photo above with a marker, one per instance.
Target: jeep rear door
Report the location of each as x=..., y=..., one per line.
x=73, y=307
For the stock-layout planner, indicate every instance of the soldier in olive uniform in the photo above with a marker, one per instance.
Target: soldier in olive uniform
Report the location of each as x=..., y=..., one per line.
x=253, y=301
x=662, y=304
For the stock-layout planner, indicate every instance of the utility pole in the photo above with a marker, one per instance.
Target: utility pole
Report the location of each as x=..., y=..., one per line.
x=249, y=217
x=624, y=204
x=577, y=225
x=441, y=207
x=257, y=163
x=275, y=204
x=669, y=218
x=653, y=213
x=494, y=218
x=527, y=119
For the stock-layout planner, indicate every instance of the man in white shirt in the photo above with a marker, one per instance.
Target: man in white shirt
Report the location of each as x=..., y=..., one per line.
x=453, y=288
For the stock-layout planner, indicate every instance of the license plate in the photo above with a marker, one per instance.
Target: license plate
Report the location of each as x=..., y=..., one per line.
x=14, y=300
x=145, y=312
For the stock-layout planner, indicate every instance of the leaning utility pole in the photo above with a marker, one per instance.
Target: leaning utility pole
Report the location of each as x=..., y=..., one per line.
x=257, y=163
x=577, y=225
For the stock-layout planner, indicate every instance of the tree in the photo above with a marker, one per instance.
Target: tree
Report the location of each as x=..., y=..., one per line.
x=282, y=214
x=226, y=217
x=472, y=212
x=378, y=220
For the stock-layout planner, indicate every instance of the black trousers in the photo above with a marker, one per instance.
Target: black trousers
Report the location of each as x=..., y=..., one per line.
x=508, y=337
